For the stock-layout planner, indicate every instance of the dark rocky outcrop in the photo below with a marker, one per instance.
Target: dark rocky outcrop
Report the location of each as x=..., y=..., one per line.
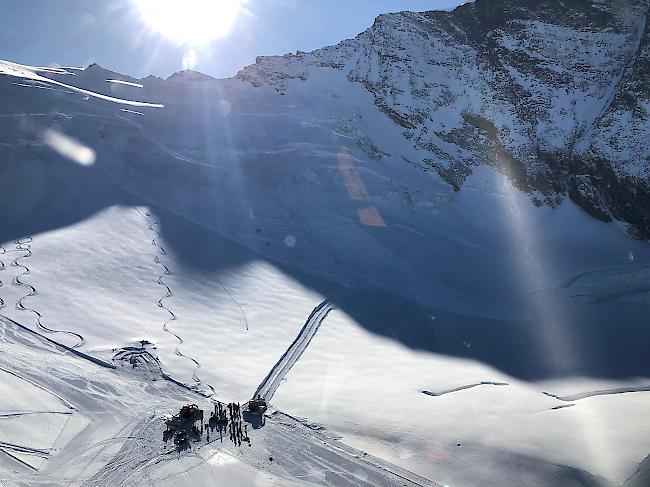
x=553, y=94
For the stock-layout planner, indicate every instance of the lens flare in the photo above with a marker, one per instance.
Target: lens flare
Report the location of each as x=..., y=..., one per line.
x=69, y=148
x=193, y=22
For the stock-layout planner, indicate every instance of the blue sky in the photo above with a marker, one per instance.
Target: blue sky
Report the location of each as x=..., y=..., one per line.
x=111, y=33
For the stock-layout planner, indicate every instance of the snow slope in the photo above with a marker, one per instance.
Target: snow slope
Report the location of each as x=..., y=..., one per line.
x=104, y=428
x=219, y=219
x=554, y=95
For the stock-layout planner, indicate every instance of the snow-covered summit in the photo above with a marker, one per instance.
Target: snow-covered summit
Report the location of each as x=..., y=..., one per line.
x=188, y=75
x=553, y=94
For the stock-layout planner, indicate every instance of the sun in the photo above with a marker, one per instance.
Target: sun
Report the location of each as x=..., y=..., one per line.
x=193, y=22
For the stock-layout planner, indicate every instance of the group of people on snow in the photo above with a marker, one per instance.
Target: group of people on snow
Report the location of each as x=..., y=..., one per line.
x=228, y=417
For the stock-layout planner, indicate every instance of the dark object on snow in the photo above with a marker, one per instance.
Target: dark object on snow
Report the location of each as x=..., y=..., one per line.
x=185, y=419
x=167, y=434
x=182, y=426
x=257, y=405
x=254, y=412
x=181, y=438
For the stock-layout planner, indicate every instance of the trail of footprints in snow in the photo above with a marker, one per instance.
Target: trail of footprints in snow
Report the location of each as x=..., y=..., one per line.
x=168, y=294
x=24, y=245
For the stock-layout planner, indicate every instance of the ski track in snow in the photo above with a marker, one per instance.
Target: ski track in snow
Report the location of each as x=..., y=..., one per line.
x=44, y=453
x=135, y=112
x=343, y=465
x=136, y=453
x=64, y=401
x=6, y=320
x=140, y=358
x=27, y=85
x=462, y=388
x=604, y=392
x=2, y=268
x=297, y=448
x=237, y=303
x=168, y=294
x=15, y=414
x=320, y=449
x=39, y=452
x=280, y=370
x=24, y=245
x=570, y=281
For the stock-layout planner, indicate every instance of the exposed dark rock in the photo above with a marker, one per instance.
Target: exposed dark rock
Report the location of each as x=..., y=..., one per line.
x=553, y=94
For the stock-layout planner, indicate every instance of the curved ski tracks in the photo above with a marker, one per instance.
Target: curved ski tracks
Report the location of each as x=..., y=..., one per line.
x=237, y=303
x=161, y=304
x=24, y=245
x=163, y=252
x=279, y=371
x=2, y=268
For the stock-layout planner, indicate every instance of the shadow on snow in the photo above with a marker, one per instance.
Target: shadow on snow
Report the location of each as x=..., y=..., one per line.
x=40, y=191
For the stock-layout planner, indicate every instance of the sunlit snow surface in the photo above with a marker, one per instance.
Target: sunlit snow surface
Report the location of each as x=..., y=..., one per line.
x=436, y=290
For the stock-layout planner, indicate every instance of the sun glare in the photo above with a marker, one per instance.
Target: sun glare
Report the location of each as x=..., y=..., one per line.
x=192, y=22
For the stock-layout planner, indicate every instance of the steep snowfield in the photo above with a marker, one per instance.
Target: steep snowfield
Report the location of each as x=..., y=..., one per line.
x=552, y=95
x=216, y=216
x=300, y=180
x=113, y=289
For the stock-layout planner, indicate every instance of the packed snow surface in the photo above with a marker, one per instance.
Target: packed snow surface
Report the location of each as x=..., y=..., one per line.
x=285, y=244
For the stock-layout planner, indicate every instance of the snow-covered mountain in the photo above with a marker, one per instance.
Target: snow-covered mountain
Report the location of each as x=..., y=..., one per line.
x=553, y=94
x=386, y=237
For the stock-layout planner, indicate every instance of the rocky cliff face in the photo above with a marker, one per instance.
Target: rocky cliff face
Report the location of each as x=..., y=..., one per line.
x=553, y=93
